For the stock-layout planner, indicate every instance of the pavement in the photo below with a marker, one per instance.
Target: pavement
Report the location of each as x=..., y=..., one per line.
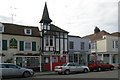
x=44, y=73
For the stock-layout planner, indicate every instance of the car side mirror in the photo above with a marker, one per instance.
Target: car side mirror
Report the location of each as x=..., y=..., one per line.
x=18, y=67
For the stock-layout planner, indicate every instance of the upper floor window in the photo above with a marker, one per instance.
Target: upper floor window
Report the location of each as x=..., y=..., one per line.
x=82, y=45
x=89, y=46
x=27, y=45
x=115, y=44
x=49, y=41
x=1, y=27
x=28, y=31
x=93, y=46
x=71, y=45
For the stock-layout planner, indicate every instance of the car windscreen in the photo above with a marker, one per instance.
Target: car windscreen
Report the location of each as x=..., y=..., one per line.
x=64, y=64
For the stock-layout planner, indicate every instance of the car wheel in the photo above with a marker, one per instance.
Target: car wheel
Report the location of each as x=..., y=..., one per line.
x=85, y=70
x=99, y=69
x=26, y=74
x=67, y=72
x=111, y=68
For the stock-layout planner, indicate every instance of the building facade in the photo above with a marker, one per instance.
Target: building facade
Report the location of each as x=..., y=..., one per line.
x=104, y=46
x=54, y=43
x=107, y=49
x=20, y=45
x=78, y=49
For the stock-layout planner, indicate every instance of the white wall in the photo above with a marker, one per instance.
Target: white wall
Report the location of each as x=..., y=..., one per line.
x=9, y=53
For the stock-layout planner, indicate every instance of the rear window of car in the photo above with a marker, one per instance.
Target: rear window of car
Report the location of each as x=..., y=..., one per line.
x=90, y=62
x=10, y=66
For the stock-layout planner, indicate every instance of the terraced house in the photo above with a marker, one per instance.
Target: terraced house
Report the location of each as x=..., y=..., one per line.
x=104, y=46
x=79, y=51
x=20, y=44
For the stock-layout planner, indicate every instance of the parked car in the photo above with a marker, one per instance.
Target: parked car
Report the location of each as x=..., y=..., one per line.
x=118, y=66
x=11, y=70
x=68, y=68
x=99, y=66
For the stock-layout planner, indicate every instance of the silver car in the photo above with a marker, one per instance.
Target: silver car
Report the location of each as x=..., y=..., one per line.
x=11, y=70
x=71, y=67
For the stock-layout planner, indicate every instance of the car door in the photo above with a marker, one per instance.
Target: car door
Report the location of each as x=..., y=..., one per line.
x=77, y=67
x=15, y=70
x=81, y=68
x=6, y=71
x=72, y=67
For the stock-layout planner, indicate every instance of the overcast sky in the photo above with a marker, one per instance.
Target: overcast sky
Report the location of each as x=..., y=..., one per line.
x=79, y=17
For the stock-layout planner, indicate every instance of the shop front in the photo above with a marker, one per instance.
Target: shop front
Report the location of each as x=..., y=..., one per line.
x=50, y=61
x=32, y=62
x=78, y=57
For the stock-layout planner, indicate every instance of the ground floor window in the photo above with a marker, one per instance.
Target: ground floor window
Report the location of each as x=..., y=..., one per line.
x=54, y=58
x=32, y=61
x=71, y=58
x=75, y=57
x=115, y=58
x=63, y=59
x=27, y=61
x=19, y=61
x=106, y=58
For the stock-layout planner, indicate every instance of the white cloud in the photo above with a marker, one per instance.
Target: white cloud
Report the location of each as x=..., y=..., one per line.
x=79, y=17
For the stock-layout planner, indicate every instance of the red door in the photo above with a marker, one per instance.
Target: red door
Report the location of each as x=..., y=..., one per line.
x=47, y=63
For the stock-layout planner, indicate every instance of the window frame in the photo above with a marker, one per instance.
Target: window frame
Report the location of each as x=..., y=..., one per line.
x=71, y=44
x=30, y=47
x=30, y=31
x=48, y=40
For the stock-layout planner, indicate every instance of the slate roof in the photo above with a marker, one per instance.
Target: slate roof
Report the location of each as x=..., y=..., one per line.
x=14, y=29
x=74, y=36
x=56, y=28
x=97, y=36
x=45, y=16
x=116, y=34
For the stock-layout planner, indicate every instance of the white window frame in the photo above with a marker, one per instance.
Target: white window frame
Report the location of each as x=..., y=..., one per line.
x=93, y=46
x=82, y=45
x=27, y=32
x=1, y=28
x=71, y=44
x=114, y=44
x=48, y=37
x=25, y=48
x=54, y=59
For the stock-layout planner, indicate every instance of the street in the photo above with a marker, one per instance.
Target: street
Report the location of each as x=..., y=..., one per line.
x=91, y=75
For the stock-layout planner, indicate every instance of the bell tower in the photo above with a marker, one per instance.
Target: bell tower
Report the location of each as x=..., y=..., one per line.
x=45, y=21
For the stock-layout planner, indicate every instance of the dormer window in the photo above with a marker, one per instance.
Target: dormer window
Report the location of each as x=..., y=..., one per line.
x=28, y=31
x=1, y=27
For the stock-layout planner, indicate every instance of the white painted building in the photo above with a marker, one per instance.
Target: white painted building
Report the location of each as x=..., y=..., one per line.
x=20, y=45
x=104, y=46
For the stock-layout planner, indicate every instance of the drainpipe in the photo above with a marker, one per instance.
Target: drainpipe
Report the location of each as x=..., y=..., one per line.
x=40, y=64
x=51, y=63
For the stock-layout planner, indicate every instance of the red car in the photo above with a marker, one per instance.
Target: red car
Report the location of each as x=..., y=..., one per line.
x=99, y=66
